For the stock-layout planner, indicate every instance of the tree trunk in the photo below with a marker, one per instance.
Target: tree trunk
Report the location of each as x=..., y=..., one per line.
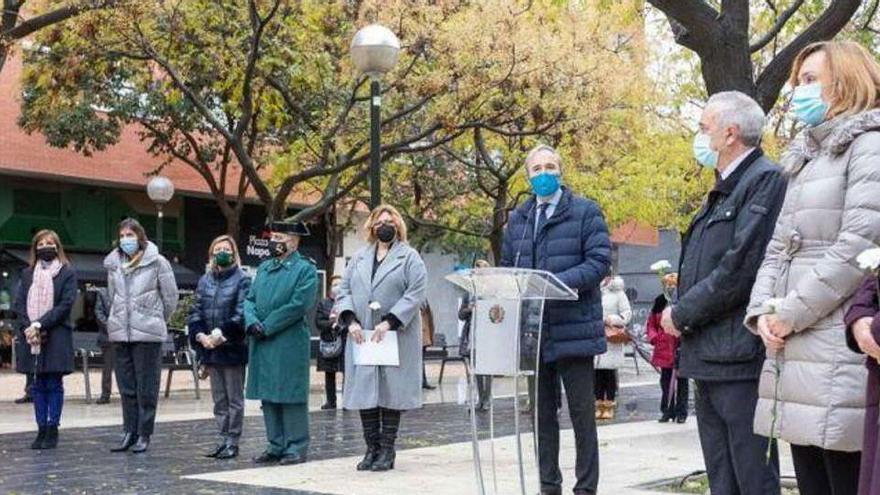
x=499, y=220
x=233, y=224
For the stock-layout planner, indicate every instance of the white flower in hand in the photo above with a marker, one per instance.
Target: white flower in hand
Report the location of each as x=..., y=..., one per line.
x=772, y=306
x=661, y=266
x=869, y=259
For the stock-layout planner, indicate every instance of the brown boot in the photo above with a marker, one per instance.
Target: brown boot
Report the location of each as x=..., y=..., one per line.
x=610, y=409
x=600, y=409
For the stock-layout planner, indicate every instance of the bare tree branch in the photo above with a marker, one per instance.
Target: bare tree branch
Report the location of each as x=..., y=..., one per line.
x=693, y=22
x=825, y=27
x=777, y=27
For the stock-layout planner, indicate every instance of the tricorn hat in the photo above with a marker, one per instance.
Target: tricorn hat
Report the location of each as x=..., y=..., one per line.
x=293, y=228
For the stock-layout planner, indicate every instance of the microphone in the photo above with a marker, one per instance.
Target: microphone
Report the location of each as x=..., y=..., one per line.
x=525, y=231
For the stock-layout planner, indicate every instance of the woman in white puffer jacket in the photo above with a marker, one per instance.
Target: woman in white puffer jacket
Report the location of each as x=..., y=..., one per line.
x=617, y=312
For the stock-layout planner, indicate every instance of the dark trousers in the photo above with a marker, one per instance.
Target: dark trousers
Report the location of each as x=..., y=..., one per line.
x=674, y=403
x=138, y=373
x=287, y=428
x=48, y=393
x=107, y=370
x=577, y=377
x=28, y=384
x=227, y=391
x=736, y=458
x=606, y=385
x=825, y=472
x=330, y=387
x=484, y=389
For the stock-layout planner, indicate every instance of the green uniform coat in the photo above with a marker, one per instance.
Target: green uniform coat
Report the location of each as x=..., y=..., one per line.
x=281, y=297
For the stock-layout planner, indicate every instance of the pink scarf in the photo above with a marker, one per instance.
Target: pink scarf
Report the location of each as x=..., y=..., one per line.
x=41, y=295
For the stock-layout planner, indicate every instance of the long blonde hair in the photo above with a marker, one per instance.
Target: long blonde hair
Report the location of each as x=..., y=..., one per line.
x=223, y=238
x=395, y=217
x=53, y=236
x=855, y=76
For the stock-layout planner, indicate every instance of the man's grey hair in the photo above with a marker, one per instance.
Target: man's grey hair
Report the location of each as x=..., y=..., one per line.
x=739, y=109
x=543, y=148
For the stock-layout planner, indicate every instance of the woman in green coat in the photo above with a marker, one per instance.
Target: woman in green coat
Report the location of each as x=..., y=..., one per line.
x=276, y=310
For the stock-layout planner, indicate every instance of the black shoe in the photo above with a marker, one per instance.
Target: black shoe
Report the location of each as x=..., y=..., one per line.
x=51, y=440
x=142, y=445
x=681, y=420
x=428, y=386
x=328, y=407
x=551, y=490
x=666, y=418
x=127, y=441
x=385, y=460
x=228, y=452
x=293, y=459
x=266, y=458
x=27, y=399
x=366, y=463
x=41, y=436
x=102, y=401
x=216, y=451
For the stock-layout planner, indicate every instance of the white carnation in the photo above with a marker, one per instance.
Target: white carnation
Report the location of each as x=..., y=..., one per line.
x=375, y=306
x=661, y=265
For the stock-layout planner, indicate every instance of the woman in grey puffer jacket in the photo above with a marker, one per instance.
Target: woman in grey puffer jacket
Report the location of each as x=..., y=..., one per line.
x=812, y=390
x=143, y=295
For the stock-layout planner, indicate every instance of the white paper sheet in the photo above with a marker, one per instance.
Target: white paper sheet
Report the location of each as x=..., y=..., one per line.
x=370, y=353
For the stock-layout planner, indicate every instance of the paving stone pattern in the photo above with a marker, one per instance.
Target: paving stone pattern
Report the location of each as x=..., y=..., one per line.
x=83, y=464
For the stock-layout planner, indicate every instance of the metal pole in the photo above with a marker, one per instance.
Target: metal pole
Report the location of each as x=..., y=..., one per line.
x=159, y=227
x=375, y=115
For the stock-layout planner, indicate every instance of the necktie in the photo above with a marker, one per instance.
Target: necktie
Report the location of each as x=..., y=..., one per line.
x=542, y=218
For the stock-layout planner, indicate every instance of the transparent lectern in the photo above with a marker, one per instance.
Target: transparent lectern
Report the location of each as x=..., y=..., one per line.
x=506, y=341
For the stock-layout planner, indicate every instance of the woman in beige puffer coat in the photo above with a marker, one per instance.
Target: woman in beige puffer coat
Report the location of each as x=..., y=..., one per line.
x=812, y=390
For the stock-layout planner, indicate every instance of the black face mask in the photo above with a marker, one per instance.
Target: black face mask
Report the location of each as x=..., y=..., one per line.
x=47, y=253
x=386, y=233
x=278, y=248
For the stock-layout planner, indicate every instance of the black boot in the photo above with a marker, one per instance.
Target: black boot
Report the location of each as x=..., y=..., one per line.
x=142, y=445
x=385, y=459
x=371, y=436
x=41, y=436
x=369, y=459
x=127, y=441
x=51, y=440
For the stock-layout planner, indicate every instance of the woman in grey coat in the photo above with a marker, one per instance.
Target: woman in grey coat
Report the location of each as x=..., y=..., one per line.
x=382, y=289
x=143, y=295
x=812, y=389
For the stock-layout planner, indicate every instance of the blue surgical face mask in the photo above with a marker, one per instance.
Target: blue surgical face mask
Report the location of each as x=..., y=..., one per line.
x=807, y=104
x=129, y=245
x=545, y=184
x=703, y=151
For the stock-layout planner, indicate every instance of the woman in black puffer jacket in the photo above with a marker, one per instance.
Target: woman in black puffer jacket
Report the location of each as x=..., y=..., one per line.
x=216, y=332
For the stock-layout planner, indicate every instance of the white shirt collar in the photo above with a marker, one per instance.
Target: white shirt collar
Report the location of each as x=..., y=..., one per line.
x=551, y=200
x=735, y=164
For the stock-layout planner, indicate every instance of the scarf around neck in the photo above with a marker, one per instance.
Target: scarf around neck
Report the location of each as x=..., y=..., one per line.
x=41, y=294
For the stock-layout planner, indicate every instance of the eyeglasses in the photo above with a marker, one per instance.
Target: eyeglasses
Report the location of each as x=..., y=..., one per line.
x=386, y=222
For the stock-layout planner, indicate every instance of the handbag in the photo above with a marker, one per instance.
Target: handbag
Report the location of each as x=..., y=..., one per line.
x=616, y=335
x=331, y=349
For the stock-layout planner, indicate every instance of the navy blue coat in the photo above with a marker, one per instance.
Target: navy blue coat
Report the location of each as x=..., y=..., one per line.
x=219, y=303
x=574, y=245
x=56, y=353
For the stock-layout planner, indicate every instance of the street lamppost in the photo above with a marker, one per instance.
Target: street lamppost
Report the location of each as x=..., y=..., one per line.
x=374, y=51
x=160, y=190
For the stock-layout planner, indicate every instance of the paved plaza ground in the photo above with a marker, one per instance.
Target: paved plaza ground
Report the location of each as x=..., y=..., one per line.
x=435, y=451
